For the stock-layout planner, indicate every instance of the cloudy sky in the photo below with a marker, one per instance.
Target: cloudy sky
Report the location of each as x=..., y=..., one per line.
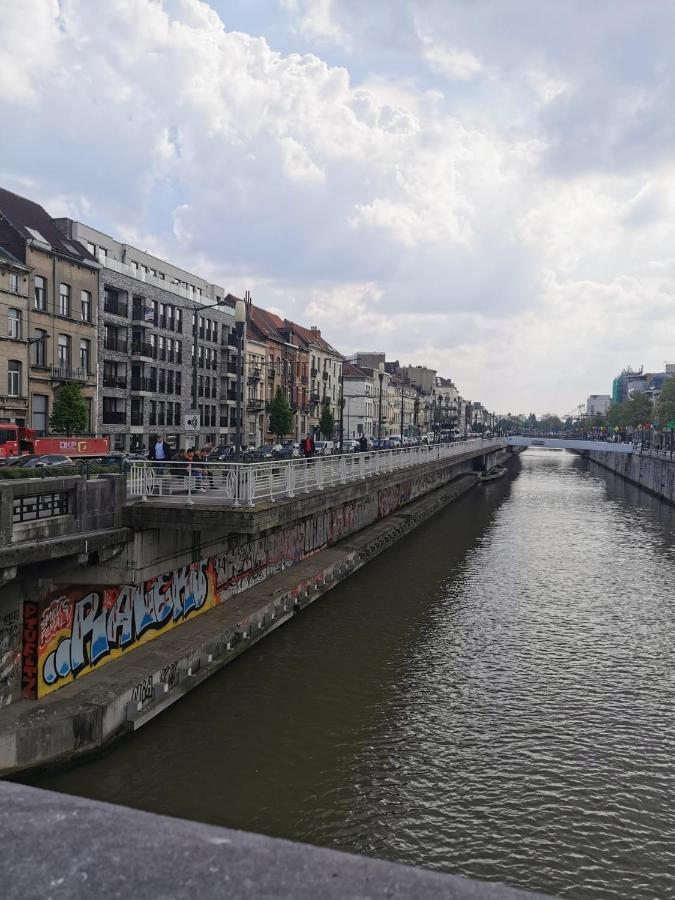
x=486, y=186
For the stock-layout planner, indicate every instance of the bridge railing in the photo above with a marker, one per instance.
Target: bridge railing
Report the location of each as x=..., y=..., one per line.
x=246, y=484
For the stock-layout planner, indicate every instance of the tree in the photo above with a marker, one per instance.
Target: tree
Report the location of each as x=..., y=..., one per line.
x=281, y=417
x=70, y=414
x=638, y=409
x=665, y=405
x=327, y=423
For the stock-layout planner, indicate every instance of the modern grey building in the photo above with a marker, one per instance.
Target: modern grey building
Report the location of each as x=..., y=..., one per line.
x=146, y=342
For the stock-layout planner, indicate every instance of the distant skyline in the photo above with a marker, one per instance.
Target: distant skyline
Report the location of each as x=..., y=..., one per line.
x=487, y=188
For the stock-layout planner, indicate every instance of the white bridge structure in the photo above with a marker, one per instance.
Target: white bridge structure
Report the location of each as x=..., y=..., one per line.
x=569, y=444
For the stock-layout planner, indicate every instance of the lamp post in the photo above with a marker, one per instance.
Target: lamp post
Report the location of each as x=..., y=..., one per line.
x=403, y=379
x=380, y=375
x=239, y=322
x=342, y=406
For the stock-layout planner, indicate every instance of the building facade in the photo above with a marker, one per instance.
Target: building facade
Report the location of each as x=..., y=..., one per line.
x=14, y=347
x=58, y=322
x=598, y=404
x=153, y=319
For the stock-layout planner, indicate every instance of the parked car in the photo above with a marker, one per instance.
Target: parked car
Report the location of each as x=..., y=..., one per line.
x=265, y=452
x=53, y=459
x=324, y=448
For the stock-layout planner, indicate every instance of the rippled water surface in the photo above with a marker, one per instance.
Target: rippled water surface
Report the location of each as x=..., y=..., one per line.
x=494, y=697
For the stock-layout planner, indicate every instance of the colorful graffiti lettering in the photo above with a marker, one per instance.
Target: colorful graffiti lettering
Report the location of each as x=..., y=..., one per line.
x=75, y=630
x=79, y=632
x=29, y=675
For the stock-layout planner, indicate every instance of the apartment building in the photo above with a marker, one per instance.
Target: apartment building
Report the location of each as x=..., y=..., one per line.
x=325, y=375
x=156, y=319
x=57, y=320
x=286, y=366
x=14, y=359
x=361, y=388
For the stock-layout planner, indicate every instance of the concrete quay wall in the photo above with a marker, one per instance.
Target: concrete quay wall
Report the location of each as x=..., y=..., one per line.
x=115, y=699
x=655, y=474
x=71, y=619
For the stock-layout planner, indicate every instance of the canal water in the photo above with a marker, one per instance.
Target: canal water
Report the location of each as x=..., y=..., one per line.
x=494, y=697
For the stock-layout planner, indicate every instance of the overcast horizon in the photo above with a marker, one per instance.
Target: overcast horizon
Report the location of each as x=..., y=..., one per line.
x=486, y=188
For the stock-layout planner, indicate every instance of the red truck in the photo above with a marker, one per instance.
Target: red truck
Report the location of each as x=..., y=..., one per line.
x=16, y=441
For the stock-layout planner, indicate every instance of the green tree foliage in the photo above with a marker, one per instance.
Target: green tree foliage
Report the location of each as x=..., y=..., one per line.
x=281, y=417
x=665, y=405
x=70, y=414
x=327, y=423
x=635, y=410
x=549, y=423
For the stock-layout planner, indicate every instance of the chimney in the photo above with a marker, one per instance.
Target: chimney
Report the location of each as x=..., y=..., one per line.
x=315, y=331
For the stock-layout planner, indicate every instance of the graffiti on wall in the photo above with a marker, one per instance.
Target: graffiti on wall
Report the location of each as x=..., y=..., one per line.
x=81, y=628
x=10, y=655
x=74, y=630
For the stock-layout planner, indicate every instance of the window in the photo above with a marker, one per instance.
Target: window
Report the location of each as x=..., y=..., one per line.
x=40, y=292
x=85, y=355
x=40, y=413
x=14, y=378
x=64, y=300
x=39, y=349
x=91, y=248
x=64, y=351
x=14, y=324
x=85, y=306
x=14, y=282
x=102, y=255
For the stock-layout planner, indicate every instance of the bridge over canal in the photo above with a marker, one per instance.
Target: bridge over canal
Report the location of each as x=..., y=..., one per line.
x=554, y=443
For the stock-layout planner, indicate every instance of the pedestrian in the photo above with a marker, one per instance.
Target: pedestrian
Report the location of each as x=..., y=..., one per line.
x=160, y=452
x=308, y=447
x=363, y=443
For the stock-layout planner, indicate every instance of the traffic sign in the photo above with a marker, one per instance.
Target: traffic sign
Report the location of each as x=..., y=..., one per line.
x=192, y=421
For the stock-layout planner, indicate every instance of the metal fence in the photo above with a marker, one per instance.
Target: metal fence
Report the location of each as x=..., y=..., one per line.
x=245, y=484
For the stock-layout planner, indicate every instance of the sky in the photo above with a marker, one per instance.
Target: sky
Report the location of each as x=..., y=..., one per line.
x=483, y=186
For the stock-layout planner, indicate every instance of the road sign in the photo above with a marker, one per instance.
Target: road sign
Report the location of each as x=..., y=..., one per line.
x=192, y=421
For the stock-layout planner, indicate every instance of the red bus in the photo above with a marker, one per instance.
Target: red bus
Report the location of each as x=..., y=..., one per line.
x=16, y=441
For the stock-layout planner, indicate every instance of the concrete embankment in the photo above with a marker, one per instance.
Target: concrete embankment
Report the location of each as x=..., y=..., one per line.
x=653, y=473
x=122, y=696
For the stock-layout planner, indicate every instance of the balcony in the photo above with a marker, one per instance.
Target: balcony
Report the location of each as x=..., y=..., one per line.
x=64, y=372
x=117, y=345
x=324, y=375
x=254, y=404
x=114, y=417
x=140, y=383
x=115, y=381
x=304, y=379
x=314, y=397
x=254, y=374
x=115, y=307
x=143, y=314
x=142, y=348
x=314, y=373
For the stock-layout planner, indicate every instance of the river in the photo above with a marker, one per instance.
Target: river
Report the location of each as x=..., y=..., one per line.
x=493, y=696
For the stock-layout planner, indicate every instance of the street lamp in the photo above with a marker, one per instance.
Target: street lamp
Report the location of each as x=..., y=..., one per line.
x=239, y=322
x=403, y=380
x=380, y=375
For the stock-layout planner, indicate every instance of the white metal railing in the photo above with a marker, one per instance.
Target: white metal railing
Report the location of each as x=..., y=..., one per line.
x=245, y=484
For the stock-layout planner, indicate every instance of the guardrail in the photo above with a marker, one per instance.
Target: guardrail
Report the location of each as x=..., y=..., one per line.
x=246, y=484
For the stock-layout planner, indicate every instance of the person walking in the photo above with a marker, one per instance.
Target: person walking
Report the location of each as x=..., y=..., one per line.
x=363, y=443
x=308, y=447
x=160, y=452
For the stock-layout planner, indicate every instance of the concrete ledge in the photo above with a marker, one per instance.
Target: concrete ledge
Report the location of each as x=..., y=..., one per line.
x=67, y=848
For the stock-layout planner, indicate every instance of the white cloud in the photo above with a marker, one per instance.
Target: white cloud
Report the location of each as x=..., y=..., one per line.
x=495, y=200
x=457, y=64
